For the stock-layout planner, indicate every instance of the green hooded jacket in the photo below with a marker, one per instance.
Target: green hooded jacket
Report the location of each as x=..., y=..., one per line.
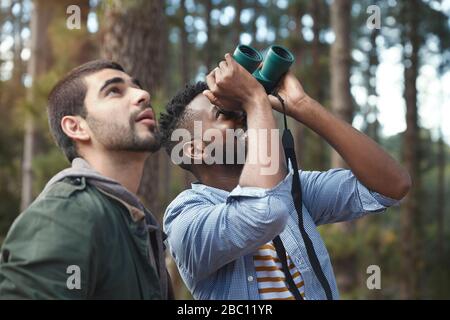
x=78, y=240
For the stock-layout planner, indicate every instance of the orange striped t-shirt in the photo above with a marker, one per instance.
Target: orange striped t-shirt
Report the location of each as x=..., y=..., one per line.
x=270, y=276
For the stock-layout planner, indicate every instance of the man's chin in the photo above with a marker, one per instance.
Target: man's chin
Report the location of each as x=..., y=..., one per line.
x=151, y=146
x=151, y=142
x=154, y=148
x=143, y=146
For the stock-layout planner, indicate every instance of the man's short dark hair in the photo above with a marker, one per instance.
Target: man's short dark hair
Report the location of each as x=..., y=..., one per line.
x=176, y=116
x=67, y=99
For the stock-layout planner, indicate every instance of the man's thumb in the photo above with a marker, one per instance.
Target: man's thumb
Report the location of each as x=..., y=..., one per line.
x=212, y=98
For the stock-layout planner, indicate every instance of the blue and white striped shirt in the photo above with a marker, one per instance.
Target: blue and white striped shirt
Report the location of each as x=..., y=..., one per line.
x=213, y=233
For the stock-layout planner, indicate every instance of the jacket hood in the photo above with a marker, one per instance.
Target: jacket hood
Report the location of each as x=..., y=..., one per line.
x=81, y=168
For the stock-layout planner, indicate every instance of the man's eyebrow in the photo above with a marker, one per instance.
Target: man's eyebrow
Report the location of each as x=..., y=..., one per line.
x=136, y=82
x=216, y=108
x=111, y=81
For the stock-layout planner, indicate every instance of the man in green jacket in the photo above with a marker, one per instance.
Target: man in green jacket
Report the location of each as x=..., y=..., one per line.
x=87, y=235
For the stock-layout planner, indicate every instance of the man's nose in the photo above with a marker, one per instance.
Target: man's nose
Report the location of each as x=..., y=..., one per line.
x=142, y=97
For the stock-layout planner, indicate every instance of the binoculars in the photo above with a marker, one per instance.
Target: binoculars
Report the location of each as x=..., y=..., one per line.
x=277, y=62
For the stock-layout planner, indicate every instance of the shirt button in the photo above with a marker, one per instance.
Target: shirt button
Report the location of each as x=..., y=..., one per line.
x=250, y=278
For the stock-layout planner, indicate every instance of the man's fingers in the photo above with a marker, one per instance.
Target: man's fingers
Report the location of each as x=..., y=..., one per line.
x=211, y=76
x=232, y=64
x=212, y=72
x=229, y=59
x=211, y=80
x=218, y=75
x=211, y=97
x=223, y=65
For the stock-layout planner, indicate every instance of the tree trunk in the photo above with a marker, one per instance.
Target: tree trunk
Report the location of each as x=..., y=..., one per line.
x=440, y=199
x=372, y=127
x=253, y=27
x=209, y=32
x=237, y=25
x=410, y=217
x=185, y=55
x=296, y=12
x=19, y=66
x=341, y=99
x=185, y=48
x=38, y=64
x=318, y=145
x=316, y=52
x=440, y=202
x=134, y=36
x=341, y=105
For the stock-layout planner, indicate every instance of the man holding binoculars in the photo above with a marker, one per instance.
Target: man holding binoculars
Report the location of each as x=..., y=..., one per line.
x=239, y=234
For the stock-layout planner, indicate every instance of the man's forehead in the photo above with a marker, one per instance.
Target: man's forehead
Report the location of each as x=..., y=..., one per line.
x=200, y=104
x=97, y=79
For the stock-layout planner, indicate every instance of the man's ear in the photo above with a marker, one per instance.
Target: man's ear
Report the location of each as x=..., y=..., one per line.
x=193, y=150
x=75, y=127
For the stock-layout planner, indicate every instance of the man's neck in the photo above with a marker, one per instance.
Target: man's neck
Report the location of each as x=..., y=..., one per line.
x=225, y=177
x=123, y=167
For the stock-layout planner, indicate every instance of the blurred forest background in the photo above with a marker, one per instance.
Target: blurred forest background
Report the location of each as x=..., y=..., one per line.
x=341, y=61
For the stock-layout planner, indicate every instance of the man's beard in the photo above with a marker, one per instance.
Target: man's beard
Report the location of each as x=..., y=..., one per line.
x=120, y=138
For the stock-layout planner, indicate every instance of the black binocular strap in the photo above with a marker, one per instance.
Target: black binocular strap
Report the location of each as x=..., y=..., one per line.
x=296, y=191
x=281, y=252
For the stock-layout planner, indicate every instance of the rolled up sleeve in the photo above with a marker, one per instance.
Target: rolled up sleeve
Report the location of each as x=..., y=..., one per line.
x=337, y=195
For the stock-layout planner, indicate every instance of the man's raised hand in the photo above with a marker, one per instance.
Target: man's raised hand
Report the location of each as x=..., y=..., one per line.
x=231, y=86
